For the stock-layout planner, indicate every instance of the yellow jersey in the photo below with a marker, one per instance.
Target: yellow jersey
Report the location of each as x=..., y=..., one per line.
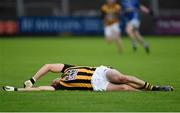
x=75, y=78
x=111, y=13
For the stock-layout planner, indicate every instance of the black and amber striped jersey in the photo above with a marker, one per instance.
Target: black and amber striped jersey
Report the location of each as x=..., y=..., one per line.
x=110, y=13
x=76, y=78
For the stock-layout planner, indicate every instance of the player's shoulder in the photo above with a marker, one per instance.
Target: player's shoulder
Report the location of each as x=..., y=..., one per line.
x=104, y=7
x=117, y=6
x=66, y=67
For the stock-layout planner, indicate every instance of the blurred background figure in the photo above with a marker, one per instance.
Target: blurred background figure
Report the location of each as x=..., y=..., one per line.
x=131, y=10
x=110, y=14
x=81, y=17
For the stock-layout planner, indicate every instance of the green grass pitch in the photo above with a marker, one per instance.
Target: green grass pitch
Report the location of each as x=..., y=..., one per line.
x=21, y=57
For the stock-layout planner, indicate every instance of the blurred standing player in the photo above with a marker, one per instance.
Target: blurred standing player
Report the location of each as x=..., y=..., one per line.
x=110, y=14
x=130, y=11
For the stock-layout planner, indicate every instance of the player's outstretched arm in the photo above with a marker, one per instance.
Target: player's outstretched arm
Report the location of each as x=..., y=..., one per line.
x=55, y=68
x=40, y=88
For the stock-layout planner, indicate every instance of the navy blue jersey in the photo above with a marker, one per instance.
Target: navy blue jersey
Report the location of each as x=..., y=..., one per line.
x=130, y=8
x=130, y=5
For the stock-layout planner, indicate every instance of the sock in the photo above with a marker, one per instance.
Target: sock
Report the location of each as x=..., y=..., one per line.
x=149, y=86
x=146, y=45
x=134, y=44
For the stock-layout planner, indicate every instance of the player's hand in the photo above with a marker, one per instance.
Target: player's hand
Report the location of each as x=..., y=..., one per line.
x=9, y=88
x=29, y=83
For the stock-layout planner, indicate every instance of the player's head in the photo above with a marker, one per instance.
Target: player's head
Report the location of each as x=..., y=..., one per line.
x=110, y=2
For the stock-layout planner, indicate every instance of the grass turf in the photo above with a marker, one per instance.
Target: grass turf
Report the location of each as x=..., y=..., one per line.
x=21, y=57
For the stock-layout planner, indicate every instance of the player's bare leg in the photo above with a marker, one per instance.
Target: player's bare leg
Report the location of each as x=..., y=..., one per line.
x=55, y=68
x=136, y=37
x=109, y=39
x=118, y=41
x=129, y=31
x=119, y=45
x=141, y=40
x=120, y=87
x=116, y=77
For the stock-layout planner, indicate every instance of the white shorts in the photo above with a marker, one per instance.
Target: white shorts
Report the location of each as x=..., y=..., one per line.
x=99, y=80
x=111, y=29
x=135, y=23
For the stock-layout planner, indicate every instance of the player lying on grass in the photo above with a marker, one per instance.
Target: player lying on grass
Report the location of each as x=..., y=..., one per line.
x=100, y=78
x=110, y=14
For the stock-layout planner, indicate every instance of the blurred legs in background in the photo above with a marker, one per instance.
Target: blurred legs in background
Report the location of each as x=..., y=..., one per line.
x=113, y=34
x=132, y=30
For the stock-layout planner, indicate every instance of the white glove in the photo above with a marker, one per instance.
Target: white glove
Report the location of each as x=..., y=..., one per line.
x=9, y=88
x=29, y=83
